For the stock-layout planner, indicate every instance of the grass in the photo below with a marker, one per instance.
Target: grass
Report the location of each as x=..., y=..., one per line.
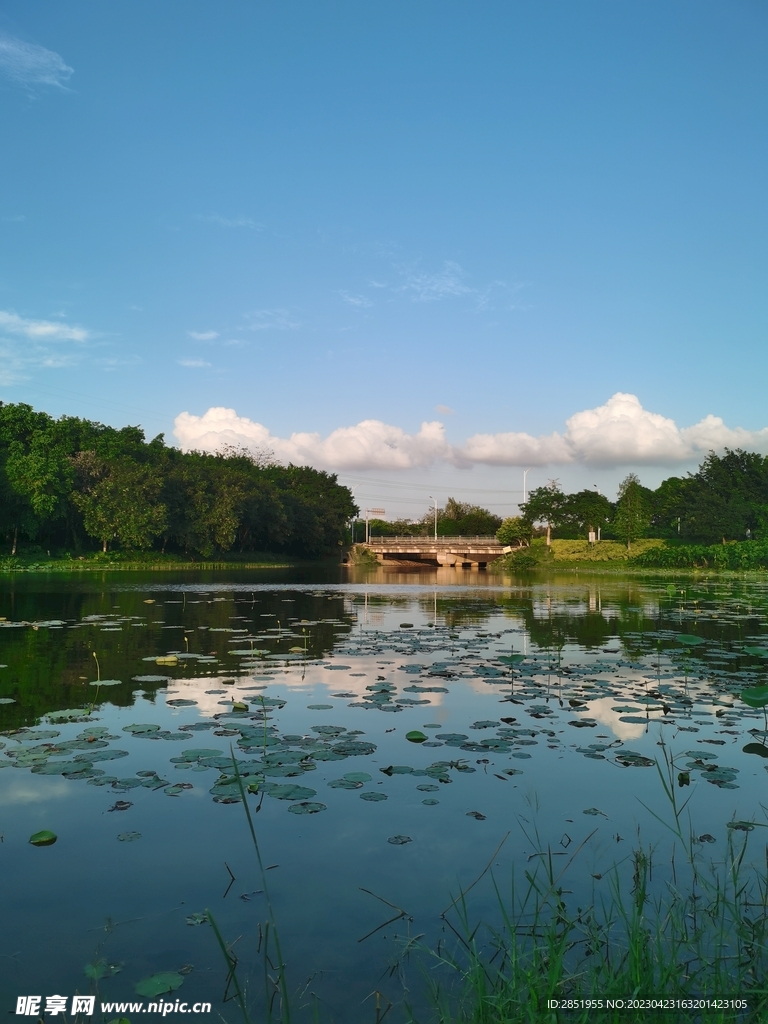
x=680, y=931
x=38, y=561
x=689, y=929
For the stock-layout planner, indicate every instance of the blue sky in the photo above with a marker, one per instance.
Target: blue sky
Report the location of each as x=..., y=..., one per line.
x=490, y=216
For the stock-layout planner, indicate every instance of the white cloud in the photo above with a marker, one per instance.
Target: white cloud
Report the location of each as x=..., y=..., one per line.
x=194, y=363
x=30, y=64
x=203, y=335
x=430, y=287
x=53, y=330
x=445, y=410
x=367, y=445
x=271, y=319
x=619, y=433
x=360, y=301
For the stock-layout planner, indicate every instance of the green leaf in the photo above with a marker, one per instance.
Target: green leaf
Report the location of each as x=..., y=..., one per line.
x=44, y=838
x=167, y=981
x=689, y=640
x=755, y=696
x=415, y=736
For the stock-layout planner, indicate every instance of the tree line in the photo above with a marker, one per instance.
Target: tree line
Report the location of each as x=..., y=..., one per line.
x=74, y=484
x=726, y=499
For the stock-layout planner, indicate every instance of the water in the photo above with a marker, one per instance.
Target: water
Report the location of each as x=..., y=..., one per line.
x=540, y=702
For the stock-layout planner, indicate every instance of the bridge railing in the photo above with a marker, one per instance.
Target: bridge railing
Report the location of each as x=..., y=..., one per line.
x=400, y=541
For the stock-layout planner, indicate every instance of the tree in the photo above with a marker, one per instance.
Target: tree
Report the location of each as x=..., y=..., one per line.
x=633, y=509
x=121, y=502
x=514, y=530
x=586, y=511
x=545, y=505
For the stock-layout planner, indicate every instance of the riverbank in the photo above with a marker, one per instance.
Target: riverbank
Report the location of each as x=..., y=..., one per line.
x=153, y=561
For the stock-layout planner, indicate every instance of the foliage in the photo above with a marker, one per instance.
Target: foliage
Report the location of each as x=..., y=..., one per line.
x=67, y=482
x=732, y=556
x=514, y=530
x=461, y=519
x=633, y=510
x=605, y=551
x=545, y=505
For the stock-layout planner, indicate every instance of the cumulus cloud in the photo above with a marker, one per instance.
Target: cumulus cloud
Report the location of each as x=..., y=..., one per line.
x=619, y=433
x=370, y=444
x=29, y=64
x=53, y=330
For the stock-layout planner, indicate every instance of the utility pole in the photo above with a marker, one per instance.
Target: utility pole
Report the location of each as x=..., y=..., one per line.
x=525, y=474
x=435, y=504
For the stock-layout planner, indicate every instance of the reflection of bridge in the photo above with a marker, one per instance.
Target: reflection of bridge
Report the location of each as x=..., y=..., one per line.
x=443, y=551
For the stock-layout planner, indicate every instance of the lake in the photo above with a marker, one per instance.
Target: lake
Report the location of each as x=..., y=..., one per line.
x=537, y=710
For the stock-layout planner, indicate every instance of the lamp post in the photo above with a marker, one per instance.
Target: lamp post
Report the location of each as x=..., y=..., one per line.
x=435, y=504
x=525, y=474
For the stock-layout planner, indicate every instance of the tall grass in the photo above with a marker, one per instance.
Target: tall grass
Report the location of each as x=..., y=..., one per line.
x=684, y=928
x=697, y=930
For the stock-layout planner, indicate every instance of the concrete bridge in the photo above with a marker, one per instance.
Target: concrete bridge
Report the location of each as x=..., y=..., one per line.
x=457, y=551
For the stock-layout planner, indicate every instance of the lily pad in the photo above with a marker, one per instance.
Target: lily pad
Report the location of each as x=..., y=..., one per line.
x=167, y=981
x=320, y=707
x=373, y=797
x=415, y=736
x=129, y=837
x=106, y=682
x=755, y=696
x=291, y=792
x=689, y=640
x=307, y=807
x=399, y=840
x=44, y=838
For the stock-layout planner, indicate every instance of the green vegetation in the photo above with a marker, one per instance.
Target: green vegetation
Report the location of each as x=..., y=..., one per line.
x=457, y=519
x=72, y=485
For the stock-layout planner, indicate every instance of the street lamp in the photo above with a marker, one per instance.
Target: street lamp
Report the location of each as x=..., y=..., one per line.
x=435, y=504
x=525, y=474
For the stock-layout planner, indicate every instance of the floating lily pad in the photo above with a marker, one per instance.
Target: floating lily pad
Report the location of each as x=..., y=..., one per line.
x=373, y=797
x=181, y=702
x=594, y=811
x=399, y=840
x=129, y=837
x=345, y=784
x=357, y=776
x=7, y=700
x=415, y=736
x=689, y=640
x=320, y=707
x=290, y=792
x=430, y=802
x=307, y=807
x=168, y=981
x=106, y=682
x=44, y=838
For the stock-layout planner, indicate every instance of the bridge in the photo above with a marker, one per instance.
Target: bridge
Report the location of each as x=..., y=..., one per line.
x=456, y=551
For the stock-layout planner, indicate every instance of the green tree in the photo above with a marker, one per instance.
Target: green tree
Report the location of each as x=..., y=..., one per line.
x=586, y=511
x=514, y=530
x=633, y=509
x=545, y=505
x=121, y=502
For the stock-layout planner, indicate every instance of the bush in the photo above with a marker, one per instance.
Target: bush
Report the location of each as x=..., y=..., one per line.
x=738, y=555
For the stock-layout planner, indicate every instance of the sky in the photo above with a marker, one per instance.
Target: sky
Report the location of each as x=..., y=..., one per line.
x=425, y=246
